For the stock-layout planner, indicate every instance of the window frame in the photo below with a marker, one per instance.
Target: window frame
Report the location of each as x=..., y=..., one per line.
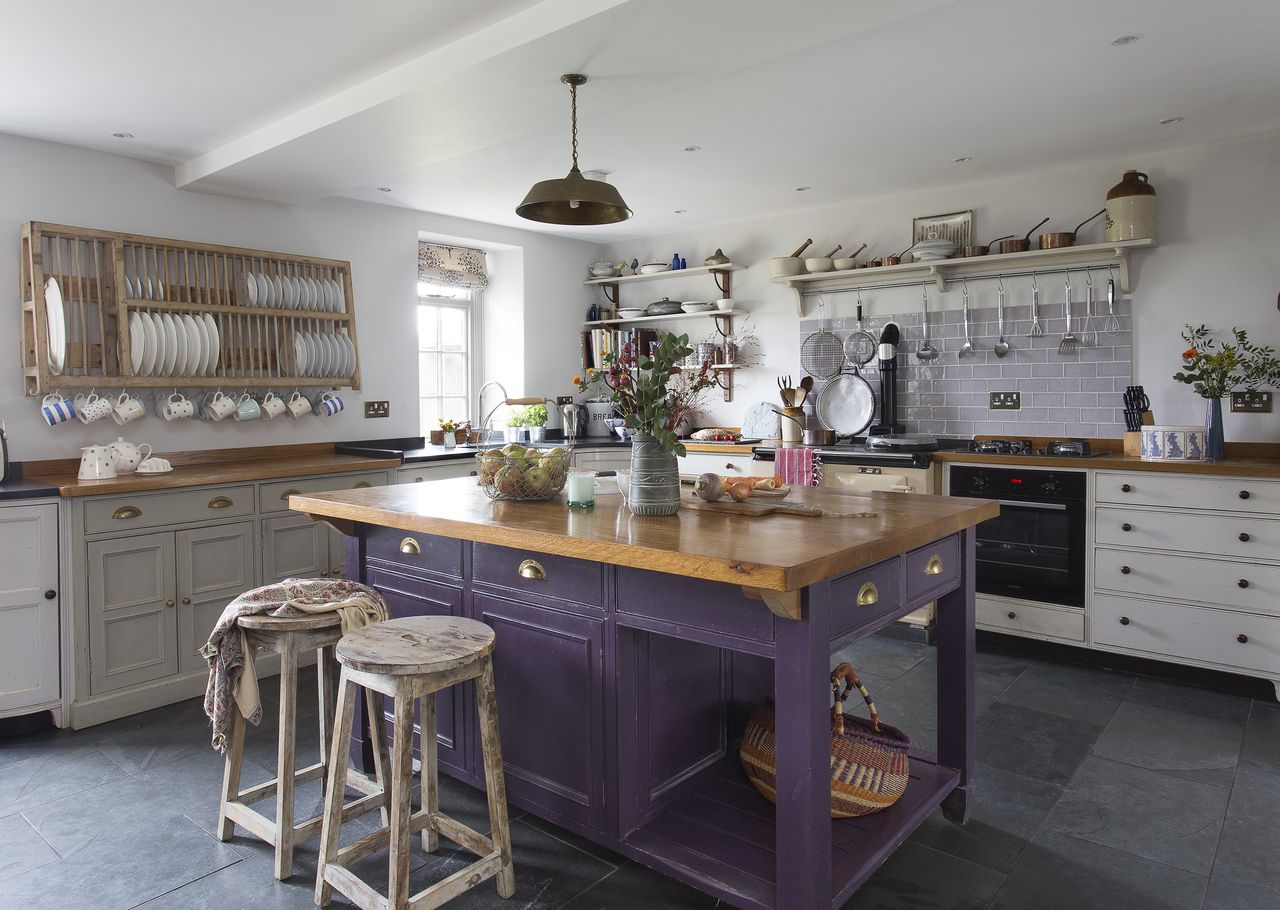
x=470, y=302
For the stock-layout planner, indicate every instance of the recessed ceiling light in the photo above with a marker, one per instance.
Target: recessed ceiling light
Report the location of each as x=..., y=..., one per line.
x=122, y=135
x=693, y=148
x=1125, y=40
x=803, y=189
x=384, y=189
x=962, y=159
x=1169, y=121
x=681, y=211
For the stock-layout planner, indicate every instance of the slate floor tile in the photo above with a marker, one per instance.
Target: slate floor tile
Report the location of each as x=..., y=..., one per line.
x=634, y=887
x=1059, y=872
x=1032, y=743
x=1248, y=856
x=21, y=847
x=1187, y=699
x=1081, y=693
x=1008, y=810
x=882, y=656
x=1186, y=745
x=176, y=736
x=1262, y=733
x=43, y=778
x=918, y=878
x=1153, y=815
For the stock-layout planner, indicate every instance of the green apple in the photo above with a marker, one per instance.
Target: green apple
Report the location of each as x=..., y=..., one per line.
x=539, y=482
x=508, y=481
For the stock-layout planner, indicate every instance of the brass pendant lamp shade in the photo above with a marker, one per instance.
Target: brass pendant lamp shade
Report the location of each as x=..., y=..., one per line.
x=573, y=199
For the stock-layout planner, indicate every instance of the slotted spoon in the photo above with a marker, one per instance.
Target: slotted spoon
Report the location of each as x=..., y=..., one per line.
x=1070, y=343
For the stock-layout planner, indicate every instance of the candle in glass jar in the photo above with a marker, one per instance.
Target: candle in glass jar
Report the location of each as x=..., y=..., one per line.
x=582, y=489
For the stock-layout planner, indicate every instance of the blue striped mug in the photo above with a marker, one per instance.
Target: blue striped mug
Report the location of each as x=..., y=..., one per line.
x=330, y=404
x=55, y=409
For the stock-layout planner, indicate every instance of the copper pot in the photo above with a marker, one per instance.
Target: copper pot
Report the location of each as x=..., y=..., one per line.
x=1020, y=245
x=1056, y=240
x=894, y=260
x=969, y=252
x=819, y=437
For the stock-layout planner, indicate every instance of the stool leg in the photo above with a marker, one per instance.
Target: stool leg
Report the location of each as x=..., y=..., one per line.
x=231, y=774
x=285, y=764
x=327, y=685
x=331, y=829
x=376, y=710
x=401, y=797
x=494, y=782
x=428, y=774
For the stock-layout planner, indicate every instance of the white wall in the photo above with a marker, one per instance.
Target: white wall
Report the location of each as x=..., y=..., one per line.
x=47, y=182
x=1218, y=261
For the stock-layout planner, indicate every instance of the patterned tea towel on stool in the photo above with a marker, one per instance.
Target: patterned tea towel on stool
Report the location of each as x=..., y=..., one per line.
x=233, y=680
x=796, y=465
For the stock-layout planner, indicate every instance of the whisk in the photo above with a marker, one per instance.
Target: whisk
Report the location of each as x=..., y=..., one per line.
x=1088, y=334
x=1112, y=325
x=1036, y=328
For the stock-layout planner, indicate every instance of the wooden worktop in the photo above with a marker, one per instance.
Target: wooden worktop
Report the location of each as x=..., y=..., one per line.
x=773, y=553
x=1245, y=459
x=193, y=469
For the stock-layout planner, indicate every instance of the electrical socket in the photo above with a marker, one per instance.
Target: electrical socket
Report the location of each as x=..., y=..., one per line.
x=1006, y=401
x=1251, y=402
x=377, y=409
x=564, y=399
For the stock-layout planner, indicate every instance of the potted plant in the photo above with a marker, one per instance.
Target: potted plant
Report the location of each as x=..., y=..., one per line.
x=453, y=431
x=535, y=418
x=515, y=425
x=1216, y=368
x=653, y=395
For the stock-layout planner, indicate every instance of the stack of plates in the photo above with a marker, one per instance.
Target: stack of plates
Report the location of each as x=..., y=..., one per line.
x=143, y=287
x=324, y=354
x=173, y=344
x=290, y=292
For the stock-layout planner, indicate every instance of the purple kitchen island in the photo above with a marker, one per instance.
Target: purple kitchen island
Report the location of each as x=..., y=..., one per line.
x=631, y=651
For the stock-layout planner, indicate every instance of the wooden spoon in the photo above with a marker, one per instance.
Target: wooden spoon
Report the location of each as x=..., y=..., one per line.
x=806, y=386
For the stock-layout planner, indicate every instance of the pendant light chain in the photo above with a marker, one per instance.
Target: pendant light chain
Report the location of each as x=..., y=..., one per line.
x=573, y=106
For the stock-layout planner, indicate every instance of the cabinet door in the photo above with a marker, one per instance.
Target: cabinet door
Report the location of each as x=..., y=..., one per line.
x=215, y=565
x=29, y=646
x=440, y=470
x=550, y=707
x=294, y=546
x=133, y=626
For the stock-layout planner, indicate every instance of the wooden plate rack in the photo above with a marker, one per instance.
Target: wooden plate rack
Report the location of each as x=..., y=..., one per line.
x=95, y=271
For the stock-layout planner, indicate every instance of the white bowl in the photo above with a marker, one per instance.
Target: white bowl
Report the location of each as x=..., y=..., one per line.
x=724, y=303
x=786, y=266
x=819, y=264
x=631, y=312
x=652, y=268
x=695, y=307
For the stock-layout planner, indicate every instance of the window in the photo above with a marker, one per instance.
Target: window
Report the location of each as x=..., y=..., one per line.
x=446, y=354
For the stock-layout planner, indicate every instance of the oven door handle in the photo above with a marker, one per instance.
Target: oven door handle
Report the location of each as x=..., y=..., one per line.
x=1026, y=504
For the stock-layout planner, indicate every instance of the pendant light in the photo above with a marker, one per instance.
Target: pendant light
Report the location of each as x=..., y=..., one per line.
x=573, y=199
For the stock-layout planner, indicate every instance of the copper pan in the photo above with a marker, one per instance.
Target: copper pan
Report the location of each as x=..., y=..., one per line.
x=1018, y=245
x=1056, y=240
x=969, y=252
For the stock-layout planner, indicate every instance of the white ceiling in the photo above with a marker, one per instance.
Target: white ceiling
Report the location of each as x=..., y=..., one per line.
x=457, y=105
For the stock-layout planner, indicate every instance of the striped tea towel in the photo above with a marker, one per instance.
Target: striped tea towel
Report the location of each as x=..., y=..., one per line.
x=796, y=465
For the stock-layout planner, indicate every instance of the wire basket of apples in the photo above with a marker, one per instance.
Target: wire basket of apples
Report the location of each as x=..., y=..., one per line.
x=517, y=473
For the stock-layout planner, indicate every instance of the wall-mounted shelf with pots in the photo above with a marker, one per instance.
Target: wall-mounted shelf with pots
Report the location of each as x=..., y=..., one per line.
x=721, y=274
x=1038, y=262
x=640, y=320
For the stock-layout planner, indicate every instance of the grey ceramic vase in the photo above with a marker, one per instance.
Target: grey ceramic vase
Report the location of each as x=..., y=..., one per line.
x=655, y=478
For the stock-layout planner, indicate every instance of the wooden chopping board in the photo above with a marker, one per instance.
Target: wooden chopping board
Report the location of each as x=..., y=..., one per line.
x=758, y=508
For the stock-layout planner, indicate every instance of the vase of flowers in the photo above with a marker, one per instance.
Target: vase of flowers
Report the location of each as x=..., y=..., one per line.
x=453, y=432
x=653, y=395
x=1217, y=368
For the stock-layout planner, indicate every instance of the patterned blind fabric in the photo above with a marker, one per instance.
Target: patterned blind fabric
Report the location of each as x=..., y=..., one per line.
x=452, y=266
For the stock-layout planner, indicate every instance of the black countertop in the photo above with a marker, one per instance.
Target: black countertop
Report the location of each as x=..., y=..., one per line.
x=18, y=488
x=415, y=450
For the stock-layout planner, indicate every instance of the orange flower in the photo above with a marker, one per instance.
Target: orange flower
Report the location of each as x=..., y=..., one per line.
x=577, y=380
x=1189, y=353
x=591, y=371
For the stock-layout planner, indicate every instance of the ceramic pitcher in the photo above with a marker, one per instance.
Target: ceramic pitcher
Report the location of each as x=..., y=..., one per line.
x=96, y=463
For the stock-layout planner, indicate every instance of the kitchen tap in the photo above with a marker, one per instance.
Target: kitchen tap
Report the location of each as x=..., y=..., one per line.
x=484, y=429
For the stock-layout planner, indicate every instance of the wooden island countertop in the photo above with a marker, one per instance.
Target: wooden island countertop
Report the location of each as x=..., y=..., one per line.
x=773, y=552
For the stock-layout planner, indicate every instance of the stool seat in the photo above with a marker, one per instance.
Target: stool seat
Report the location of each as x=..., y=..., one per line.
x=416, y=646
x=306, y=622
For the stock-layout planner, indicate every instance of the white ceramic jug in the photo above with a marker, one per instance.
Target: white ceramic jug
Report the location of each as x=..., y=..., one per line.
x=96, y=463
x=126, y=456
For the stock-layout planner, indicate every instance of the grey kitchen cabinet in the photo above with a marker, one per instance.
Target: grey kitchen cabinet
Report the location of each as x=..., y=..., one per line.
x=133, y=627
x=294, y=546
x=436, y=470
x=30, y=647
x=215, y=565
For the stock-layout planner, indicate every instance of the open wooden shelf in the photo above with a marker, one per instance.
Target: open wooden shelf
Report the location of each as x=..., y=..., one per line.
x=669, y=273
x=640, y=320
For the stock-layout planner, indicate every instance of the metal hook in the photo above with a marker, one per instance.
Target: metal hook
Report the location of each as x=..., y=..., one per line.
x=964, y=289
x=1088, y=277
x=859, y=296
x=1035, y=284
x=1000, y=279
x=1066, y=273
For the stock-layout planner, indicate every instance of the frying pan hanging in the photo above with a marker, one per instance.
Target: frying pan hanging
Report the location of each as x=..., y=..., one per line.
x=846, y=405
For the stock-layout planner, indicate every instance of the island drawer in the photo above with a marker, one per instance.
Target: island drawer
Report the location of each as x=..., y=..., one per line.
x=274, y=497
x=414, y=552
x=541, y=574
x=1233, y=584
x=865, y=596
x=707, y=605
x=153, y=510
x=934, y=566
x=1184, y=491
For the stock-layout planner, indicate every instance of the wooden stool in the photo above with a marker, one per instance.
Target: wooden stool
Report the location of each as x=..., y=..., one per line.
x=290, y=637
x=411, y=659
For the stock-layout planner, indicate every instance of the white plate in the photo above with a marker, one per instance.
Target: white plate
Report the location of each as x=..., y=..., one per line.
x=266, y=289
x=137, y=341
x=336, y=303
x=169, y=347
x=216, y=341
x=195, y=346
x=180, y=337
x=300, y=355
x=149, y=345
x=288, y=291
x=349, y=356
x=56, y=320
x=326, y=355
x=206, y=348
x=335, y=355
x=315, y=294
x=846, y=404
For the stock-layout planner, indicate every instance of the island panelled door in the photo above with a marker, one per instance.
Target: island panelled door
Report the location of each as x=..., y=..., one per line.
x=623, y=694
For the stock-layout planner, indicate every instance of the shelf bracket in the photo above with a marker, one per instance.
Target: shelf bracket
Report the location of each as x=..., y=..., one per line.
x=715, y=320
x=724, y=379
x=610, y=293
x=784, y=604
x=939, y=275
x=799, y=299
x=725, y=285
x=1122, y=268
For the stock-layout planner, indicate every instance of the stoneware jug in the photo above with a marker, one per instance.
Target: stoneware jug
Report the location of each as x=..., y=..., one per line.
x=126, y=456
x=96, y=463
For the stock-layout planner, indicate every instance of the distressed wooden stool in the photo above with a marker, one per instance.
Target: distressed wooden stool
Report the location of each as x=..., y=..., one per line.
x=290, y=637
x=413, y=659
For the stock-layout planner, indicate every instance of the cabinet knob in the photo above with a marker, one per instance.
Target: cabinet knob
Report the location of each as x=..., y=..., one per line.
x=324, y=573
x=419, y=479
x=532, y=570
x=409, y=547
x=170, y=602
x=220, y=502
x=1126, y=527
x=124, y=513
x=361, y=484
x=1242, y=583
x=1244, y=494
x=1013, y=615
x=728, y=466
x=1124, y=620
x=186, y=600
x=1244, y=537
x=50, y=594
x=1125, y=488
x=934, y=565
x=1125, y=570
x=868, y=594
x=474, y=474
x=284, y=497
x=1242, y=638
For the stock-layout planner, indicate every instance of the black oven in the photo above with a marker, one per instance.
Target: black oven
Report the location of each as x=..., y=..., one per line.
x=1035, y=549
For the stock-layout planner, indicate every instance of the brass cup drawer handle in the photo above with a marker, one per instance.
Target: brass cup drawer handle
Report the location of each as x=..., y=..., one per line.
x=532, y=570
x=409, y=547
x=934, y=565
x=360, y=485
x=868, y=594
x=124, y=513
x=220, y=502
x=284, y=497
